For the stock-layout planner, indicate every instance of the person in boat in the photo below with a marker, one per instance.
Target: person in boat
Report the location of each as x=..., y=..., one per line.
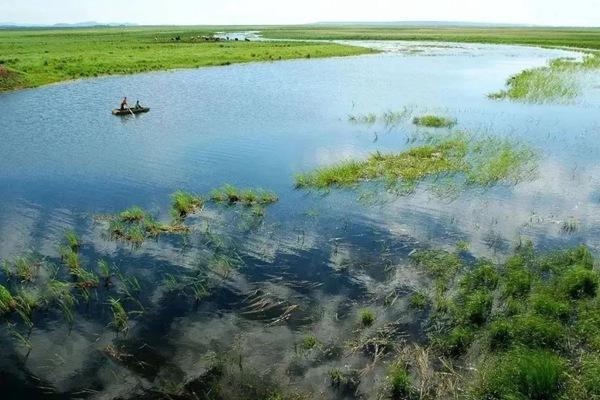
x=124, y=104
x=137, y=105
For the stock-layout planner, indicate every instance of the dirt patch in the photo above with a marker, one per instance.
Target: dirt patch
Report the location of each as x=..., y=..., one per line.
x=9, y=79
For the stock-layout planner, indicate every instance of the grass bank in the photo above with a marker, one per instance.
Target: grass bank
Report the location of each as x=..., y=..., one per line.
x=35, y=57
x=588, y=38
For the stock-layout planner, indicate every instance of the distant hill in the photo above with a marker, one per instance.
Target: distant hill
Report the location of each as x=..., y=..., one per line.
x=86, y=24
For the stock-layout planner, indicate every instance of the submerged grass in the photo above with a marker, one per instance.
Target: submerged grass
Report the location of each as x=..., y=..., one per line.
x=434, y=121
x=249, y=197
x=479, y=162
x=554, y=82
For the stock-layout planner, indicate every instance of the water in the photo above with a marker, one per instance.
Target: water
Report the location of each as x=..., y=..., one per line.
x=314, y=259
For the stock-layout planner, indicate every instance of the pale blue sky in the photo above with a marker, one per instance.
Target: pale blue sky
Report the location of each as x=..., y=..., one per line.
x=542, y=12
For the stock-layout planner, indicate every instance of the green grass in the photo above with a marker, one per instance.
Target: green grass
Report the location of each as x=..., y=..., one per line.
x=309, y=342
x=481, y=162
x=249, y=197
x=400, y=382
x=434, y=121
x=7, y=301
x=184, y=203
x=120, y=319
x=523, y=374
x=366, y=317
x=72, y=239
x=588, y=38
x=34, y=57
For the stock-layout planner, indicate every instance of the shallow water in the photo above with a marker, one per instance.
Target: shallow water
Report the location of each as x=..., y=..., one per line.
x=315, y=259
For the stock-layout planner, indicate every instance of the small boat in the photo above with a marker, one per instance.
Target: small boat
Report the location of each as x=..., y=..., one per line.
x=128, y=111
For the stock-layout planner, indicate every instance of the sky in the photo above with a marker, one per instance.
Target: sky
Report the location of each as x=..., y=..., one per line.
x=201, y=12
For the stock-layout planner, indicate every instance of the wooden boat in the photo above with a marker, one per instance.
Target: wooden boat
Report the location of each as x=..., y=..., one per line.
x=128, y=111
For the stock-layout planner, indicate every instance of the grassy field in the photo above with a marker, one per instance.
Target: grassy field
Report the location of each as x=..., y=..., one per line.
x=588, y=38
x=34, y=57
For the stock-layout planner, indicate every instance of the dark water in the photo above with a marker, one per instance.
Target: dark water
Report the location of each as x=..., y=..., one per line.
x=314, y=259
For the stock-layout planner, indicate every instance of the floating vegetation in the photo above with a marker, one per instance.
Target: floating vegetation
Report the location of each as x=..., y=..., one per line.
x=184, y=203
x=23, y=268
x=434, y=121
x=481, y=162
x=569, y=226
x=249, y=197
x=135, y=225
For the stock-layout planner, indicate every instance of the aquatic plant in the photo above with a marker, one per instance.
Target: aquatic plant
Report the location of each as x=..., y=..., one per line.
x=369, y=118
x=105, y=272
x=70, y=258
x=120, y=319
x=72, y=240
x=366, y=317
x=309, y=342
x=418, y=301
x=522, y=374
x=184, y=203
x=434, y=121
x=400, y=381
x=7, y=302
x=344, y=381
x=60, y=293
x=248, y=197
x=552, y=83
x=482, y=162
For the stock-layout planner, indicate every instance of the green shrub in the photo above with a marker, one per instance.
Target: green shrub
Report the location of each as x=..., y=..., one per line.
x=309, y=342
x=590, y=375
x=434, y=121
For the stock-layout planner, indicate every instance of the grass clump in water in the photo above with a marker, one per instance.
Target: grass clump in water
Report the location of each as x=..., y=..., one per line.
x=369, y=118
x=248, y=197
x=434, y=121
x=523, y=374
x=135, y=225
x=120, y=318
x=366, y=317
x=184, y=203
x=479, y=162
x=400, y=382
x=7, y=301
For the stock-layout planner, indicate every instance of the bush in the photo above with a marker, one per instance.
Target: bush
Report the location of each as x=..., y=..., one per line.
x=500, y=335
x=418, y=301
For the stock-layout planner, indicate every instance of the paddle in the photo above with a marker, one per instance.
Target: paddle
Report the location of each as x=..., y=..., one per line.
x=129, y=108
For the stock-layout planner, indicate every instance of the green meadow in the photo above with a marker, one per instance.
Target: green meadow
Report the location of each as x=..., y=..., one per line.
x=34, y=57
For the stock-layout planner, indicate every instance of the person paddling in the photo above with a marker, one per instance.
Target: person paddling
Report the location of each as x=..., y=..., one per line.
x=124, y=103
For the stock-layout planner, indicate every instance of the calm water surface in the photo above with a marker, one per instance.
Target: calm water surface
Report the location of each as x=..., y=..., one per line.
x=314, y=259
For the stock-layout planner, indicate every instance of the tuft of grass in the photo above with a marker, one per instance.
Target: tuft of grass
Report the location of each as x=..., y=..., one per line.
x=184, y=203
x=133, y=214
x=579, y=282
x=480, y=162
x=418, y=301
x=7, y=301
x=434, y=121
x=249, y=197
x=366, y=317
x=540, y=85
x=522, y=374
x=120, y=318
x=72, y=240
x=309, y=342
x=369, y=118
x=400, y=382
